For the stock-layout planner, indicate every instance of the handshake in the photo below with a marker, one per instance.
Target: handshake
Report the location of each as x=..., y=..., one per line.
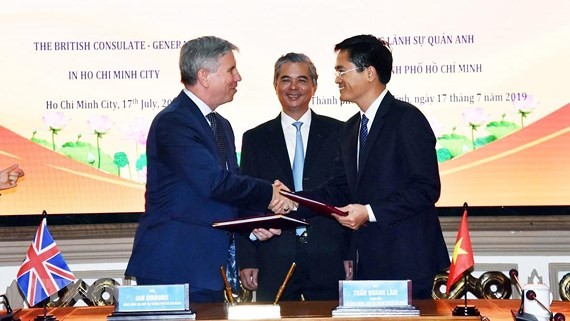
x=280, y=204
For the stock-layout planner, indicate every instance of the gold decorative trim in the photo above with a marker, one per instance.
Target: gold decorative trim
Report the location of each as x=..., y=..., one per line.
x=490, y=285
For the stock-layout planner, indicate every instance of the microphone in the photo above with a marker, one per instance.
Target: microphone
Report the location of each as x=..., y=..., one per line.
x=530, y=295
x=513, y=273
x=9, y=316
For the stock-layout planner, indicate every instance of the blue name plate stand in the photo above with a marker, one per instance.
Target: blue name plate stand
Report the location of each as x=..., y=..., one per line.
x=375, y=298
x=153, y=302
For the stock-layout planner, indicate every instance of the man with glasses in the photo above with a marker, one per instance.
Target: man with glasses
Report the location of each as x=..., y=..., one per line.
x=387, y=172
x=298, y=147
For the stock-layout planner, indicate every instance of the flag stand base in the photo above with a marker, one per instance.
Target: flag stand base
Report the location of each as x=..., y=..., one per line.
x=45, y=317
x=465, y=311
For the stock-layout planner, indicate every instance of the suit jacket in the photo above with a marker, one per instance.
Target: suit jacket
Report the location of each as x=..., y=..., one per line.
x=264, y=155
x=399, y=178
x=187, y=189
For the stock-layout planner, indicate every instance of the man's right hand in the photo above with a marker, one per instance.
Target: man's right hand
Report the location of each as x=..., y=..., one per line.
x=279, y=203
x=248, y=278
x=357, y=216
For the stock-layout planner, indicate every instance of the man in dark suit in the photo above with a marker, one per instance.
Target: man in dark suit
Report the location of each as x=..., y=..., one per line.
x=193, y=180
x=387, y=171
x=321, y=252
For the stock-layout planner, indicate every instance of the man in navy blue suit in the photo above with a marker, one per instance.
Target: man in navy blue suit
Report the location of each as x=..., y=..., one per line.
x=193, y=179
x=387, y=172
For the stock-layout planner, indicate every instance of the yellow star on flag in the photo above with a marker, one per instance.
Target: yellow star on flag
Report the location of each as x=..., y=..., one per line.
x=458, y=250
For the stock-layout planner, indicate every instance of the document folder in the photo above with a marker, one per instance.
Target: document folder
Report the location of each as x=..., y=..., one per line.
x=247, y=224
x=316, y=206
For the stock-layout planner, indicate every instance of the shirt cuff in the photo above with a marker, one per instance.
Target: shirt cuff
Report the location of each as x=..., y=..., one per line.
x=371, y=216
x=252, y=237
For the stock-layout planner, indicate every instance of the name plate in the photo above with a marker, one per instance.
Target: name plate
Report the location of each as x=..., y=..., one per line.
x=378, y=293
x=149, y=298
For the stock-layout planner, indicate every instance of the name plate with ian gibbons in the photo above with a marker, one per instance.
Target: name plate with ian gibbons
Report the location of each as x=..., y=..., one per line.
x=147, y=298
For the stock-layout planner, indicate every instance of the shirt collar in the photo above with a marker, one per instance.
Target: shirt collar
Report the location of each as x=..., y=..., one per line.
x=287, y=120
x=201, y=105
x=373, y=108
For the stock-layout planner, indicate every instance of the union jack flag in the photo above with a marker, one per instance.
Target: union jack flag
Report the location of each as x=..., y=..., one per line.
x=44, y=271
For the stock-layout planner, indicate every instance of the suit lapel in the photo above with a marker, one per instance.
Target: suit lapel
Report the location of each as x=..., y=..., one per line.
x=195, y=114
x=377, y=125
x=349, y=144
x=276, y=145
x=315, y=142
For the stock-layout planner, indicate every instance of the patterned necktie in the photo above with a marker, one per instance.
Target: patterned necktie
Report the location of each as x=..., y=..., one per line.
x=298, y=163
x=231, y=265
x=363, y=131
x=216, y=128
x=363, y=136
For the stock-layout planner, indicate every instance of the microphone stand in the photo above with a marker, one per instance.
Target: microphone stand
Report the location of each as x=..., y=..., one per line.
x=520, y=315
x=530, y=295
x=9, y=316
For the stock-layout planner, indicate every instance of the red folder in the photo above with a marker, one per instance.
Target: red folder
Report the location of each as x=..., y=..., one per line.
x=316, y=206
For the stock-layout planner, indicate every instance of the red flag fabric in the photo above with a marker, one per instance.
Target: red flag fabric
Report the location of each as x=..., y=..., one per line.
x=462, y=254
x=44, y=271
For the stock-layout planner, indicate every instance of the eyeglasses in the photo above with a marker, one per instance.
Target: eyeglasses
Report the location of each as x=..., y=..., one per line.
x=339, y=73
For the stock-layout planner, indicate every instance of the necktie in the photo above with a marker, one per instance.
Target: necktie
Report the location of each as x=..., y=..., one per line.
x=363, y=131
x=217, y=130
x=298, y=163
x=231, y=265
x=299, y=158
x=363, y=136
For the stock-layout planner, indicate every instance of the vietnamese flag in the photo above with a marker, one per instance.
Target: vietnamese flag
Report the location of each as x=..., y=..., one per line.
x=462, y=254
